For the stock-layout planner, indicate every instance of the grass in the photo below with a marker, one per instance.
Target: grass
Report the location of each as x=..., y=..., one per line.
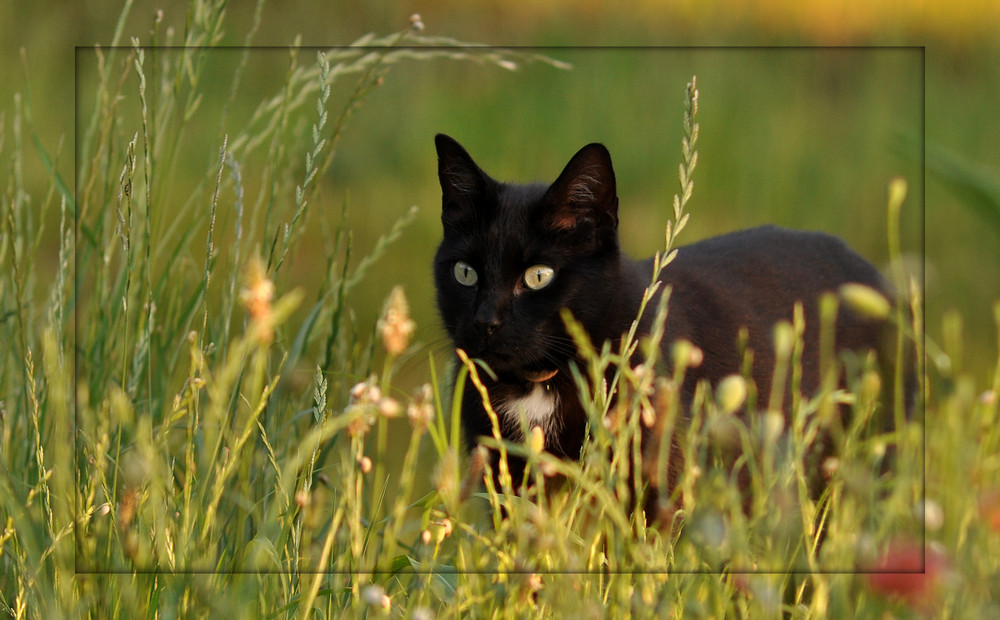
x=184, y=433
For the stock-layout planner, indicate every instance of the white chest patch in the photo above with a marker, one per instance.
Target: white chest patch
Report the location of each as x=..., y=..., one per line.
x=537, y=408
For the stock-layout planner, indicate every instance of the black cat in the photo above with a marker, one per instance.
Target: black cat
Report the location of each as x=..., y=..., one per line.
x=514, y=255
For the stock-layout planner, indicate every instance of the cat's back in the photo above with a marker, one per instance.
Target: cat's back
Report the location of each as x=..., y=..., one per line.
x=754, y=278
x=771, y=261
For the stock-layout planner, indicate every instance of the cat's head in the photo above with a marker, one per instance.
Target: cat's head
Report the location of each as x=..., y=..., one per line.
x=514, y=255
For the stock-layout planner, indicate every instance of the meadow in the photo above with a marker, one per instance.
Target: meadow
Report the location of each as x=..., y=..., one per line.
x=225, y=391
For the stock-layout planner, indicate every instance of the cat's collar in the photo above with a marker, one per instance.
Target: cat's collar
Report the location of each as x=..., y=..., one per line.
x=541, y=376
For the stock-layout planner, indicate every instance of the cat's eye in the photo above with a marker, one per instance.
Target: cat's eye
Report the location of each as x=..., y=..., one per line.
x=538, y=276
x=465, y=274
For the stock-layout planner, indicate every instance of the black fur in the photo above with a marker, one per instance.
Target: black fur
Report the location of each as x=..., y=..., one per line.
x=750, y=279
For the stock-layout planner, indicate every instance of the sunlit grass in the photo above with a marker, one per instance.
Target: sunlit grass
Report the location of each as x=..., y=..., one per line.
x=163, y=455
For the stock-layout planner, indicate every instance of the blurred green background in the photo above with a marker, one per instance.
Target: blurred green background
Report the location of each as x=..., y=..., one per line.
x=796, y=128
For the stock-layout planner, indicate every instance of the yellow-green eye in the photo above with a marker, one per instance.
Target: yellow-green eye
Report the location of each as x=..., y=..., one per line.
x=465, y=274
x=538, y=276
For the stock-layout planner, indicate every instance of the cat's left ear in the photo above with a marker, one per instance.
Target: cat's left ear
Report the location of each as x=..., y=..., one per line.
x=585, y=191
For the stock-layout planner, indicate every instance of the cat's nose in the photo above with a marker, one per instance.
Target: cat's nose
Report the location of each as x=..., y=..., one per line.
x=488, y=327
x=486, y=320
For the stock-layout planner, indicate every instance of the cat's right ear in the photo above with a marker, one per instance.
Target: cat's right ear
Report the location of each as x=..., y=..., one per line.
x=462, y=181
x=584, y=194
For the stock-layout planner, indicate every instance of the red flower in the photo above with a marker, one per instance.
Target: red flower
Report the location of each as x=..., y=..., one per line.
x=989, y=509
x=910, y=572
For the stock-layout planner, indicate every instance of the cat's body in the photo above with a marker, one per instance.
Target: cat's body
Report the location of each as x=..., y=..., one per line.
x=514, y=255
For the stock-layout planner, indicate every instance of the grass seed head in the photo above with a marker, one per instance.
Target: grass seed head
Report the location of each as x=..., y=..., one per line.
x=987, y=398
x=446, y=477
x=375, y=596
x=478, y=461
x=396, y=326
x=257, y=294
x=420, y=411
x=731, y=393
x=389, y=407
x=536, y=440
x=365, y=464
x=931, y=513
x=687, y=355
x=423, y=613
x=361, y=421
x=865, y=300
x=774, y=426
